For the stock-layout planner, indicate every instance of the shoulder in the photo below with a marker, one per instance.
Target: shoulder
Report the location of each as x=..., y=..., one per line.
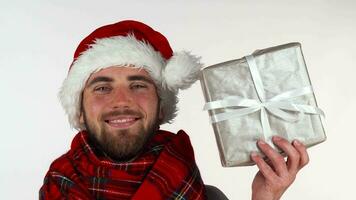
x=60, y=168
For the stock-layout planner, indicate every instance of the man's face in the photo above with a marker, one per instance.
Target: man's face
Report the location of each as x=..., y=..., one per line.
x=120, y=109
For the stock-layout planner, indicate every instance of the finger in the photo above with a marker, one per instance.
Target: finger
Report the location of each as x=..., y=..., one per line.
x=276, y=159
x=304, y=157
x=291, y=151
x=264, y=168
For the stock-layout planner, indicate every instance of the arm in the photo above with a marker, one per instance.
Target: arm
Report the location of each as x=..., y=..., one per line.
x=275, y=176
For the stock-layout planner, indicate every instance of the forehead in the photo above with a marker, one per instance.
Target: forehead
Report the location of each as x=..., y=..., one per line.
x=120, y=72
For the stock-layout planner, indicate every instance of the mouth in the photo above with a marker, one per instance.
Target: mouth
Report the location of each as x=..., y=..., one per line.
x=122, y=122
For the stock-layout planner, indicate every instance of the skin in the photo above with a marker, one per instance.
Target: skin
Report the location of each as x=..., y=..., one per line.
x=120, y=109
x=129, y=94
x=275, y=176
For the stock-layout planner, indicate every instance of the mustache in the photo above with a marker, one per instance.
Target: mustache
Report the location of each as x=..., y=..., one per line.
x=119, y=112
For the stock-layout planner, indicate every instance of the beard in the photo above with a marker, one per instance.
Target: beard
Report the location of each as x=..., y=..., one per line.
x=121, y=145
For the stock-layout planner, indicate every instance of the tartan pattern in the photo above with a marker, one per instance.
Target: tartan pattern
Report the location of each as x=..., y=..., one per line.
x=165, y=170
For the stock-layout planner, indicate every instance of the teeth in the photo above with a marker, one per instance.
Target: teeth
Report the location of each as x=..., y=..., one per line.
x=121, y=120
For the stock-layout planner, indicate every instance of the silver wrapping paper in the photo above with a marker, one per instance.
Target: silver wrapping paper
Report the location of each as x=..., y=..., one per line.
x=282, y=68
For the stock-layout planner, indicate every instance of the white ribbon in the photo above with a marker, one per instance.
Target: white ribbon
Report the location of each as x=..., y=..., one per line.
x=277, y=105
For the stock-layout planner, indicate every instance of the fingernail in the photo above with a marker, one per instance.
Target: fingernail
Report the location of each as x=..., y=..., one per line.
x=277, y=138
x=261, y=142
x=253, y=154
x=296, y=142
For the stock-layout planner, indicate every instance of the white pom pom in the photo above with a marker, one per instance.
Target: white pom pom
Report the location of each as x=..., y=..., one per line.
x=181, y=71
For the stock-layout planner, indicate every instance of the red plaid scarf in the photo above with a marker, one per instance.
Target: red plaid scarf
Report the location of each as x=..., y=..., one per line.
x=165, y=170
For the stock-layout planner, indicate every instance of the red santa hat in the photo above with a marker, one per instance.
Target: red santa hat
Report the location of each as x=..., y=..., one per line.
x=132, y=44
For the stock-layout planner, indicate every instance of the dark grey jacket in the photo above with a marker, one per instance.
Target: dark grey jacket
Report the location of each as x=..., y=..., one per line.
x=213, y=193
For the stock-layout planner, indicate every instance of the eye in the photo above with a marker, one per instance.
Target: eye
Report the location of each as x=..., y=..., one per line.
x=138, y=86
x=102, y=89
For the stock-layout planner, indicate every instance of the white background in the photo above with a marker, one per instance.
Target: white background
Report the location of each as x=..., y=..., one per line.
x=38, y=39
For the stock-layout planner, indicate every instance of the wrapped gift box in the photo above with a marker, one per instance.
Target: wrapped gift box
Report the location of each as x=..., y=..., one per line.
x=264, y=94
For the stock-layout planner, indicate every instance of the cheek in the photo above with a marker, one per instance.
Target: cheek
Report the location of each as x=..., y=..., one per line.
x=94, y=105
x=149, y=103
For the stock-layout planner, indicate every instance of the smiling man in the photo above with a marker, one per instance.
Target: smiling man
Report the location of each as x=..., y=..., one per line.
x=122, y=85
x=120, y=110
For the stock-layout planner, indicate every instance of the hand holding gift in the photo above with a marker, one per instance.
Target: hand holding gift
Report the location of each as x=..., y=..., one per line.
x=266, y=99
x=276, y=174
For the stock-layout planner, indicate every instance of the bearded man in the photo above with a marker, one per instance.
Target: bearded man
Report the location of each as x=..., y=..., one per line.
x=122, y=85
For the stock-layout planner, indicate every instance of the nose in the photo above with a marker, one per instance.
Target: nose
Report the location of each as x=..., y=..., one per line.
x=121, y=98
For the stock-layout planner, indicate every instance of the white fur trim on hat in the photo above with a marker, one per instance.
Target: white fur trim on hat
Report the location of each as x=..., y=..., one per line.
x=180, y=72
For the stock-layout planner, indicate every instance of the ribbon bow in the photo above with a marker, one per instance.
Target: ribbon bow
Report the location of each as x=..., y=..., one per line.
x=277, y=105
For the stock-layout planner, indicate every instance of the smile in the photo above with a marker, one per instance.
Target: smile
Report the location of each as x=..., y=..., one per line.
x=122, y=122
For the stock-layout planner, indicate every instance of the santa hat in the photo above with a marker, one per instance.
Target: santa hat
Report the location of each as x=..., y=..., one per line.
x=129, y=43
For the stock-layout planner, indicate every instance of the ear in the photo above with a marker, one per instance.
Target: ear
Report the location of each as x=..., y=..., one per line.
x=160, y=115
x=81, y=117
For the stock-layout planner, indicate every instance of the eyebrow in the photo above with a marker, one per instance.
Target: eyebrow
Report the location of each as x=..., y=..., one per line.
x=140, y=78
x=130, y=78
x=100, y=79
